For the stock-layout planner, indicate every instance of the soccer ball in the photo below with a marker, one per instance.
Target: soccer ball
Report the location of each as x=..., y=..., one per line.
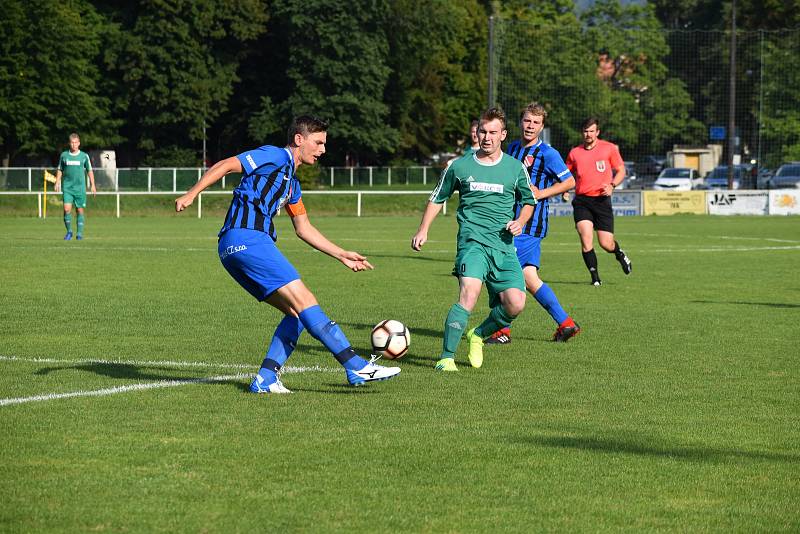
x=390, y=339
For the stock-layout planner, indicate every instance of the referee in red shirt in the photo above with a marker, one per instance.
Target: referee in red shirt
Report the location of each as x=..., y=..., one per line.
x=598, y=168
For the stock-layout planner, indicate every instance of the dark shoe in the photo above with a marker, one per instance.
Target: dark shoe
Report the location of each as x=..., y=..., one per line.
x=566, y=331
x=501, y=337
x=625, y=262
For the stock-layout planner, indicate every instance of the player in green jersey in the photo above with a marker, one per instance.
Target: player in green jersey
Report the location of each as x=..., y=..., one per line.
x=474, y=145
x=74, y=166
x=490, y=184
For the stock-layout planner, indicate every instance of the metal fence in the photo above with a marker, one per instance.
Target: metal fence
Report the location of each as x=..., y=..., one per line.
x=174, y=179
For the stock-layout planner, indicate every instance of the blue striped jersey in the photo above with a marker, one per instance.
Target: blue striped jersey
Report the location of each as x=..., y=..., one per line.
x=545, y=167
x=268, y=182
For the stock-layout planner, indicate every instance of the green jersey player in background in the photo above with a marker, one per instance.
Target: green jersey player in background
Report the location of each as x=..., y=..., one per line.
x=490, y=185
x=73, y=167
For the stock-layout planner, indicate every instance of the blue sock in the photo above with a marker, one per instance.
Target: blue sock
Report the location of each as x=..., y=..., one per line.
x=549, y=302
x=329, y=334
x=283, y=343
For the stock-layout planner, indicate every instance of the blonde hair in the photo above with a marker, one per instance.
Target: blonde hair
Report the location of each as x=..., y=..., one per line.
x=535, y=109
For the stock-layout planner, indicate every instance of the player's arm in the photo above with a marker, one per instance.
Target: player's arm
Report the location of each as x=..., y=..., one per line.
x=91, y=182
x=516, y=226
x=210, y=177
x=528, y=201
x=309, y=233
x=58, y=180
x=443, y=190
x=431, y=211
x=618, y=168
x=561, y=178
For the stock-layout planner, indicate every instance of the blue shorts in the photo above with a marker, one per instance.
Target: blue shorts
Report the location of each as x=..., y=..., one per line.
x=529, y=250
x=253, y=260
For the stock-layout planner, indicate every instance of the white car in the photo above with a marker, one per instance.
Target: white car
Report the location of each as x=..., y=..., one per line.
x=677, y=179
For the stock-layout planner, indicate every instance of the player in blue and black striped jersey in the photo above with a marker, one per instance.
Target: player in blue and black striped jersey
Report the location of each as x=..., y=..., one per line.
x=248, y=252
x=549, y=177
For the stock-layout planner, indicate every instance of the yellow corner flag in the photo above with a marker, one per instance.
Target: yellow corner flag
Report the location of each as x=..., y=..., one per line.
x=47, y=178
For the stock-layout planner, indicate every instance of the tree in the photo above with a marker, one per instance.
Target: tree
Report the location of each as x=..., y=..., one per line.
x=177, y=68
x=438, y=80
x=49, y=79
x=642, y=106
x=329, y=59
x=541, y=55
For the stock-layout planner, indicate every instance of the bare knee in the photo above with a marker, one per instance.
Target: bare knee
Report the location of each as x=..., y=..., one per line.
x=514, y=302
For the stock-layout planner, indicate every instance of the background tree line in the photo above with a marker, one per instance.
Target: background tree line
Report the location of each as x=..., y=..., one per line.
x=399, y=80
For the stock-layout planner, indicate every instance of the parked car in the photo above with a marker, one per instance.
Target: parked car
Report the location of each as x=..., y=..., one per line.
x=677, y=179
x=763, y=177
x=786, y=177
x=718, y=178
x=630, y=177
x=651, y=165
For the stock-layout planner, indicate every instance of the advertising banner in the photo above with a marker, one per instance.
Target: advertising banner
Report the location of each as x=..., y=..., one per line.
x=737, y=202
x=673, y=202
x=626, y=203
x=559, y=208
x=784, y=202
x=623, y=203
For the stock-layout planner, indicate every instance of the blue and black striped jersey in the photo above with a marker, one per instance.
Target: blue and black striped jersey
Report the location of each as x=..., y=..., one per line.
x=268, y=182
x=545, y=168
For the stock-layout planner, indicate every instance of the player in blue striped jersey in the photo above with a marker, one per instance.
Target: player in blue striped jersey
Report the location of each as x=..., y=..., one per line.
x=549, y=177
x=247, y=250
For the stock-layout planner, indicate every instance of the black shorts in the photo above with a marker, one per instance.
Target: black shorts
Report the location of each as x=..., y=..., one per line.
x=595, y=209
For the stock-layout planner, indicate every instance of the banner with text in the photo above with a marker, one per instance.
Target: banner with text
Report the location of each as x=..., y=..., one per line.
x=622, y=202
x=672, y=202
x=737, y=202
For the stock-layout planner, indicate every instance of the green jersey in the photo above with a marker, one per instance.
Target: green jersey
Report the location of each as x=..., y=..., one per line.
x=488, y=194
x=74, y=168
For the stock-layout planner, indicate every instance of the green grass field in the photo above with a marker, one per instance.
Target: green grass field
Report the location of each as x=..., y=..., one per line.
x=676, y=409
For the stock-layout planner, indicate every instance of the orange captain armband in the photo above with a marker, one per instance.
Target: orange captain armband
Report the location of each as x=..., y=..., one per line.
x=293, y=210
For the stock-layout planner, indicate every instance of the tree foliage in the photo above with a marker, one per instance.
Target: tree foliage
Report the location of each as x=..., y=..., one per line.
x=335, y=66
x=438, y=80
x=177, y=67
x=49, y=79
x=398, y=80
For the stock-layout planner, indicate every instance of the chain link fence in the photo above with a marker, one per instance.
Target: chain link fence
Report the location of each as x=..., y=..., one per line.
x=662, y=95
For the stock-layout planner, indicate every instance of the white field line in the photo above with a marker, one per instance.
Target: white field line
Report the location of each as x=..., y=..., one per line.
x=146, y=385
x=121, y=389
x=172, y=363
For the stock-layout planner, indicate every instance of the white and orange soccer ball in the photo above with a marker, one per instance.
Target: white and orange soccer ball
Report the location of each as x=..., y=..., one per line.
x=390, y=339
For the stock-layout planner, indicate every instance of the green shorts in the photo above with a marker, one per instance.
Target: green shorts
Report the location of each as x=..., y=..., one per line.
x=76, y=199
x=497, y=269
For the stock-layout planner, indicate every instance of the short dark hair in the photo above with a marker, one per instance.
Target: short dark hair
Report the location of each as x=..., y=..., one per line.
x=589, y=121
x=492, y=114
x=305, y=125
x=474, y=124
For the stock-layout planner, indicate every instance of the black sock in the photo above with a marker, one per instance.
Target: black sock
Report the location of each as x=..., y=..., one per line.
x=590, y=259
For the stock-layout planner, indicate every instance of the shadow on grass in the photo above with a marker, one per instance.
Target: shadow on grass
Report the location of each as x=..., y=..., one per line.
x=127, y=371
x=694, y=454
x=338, y=388
x=586, y=283
x=767, y=304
